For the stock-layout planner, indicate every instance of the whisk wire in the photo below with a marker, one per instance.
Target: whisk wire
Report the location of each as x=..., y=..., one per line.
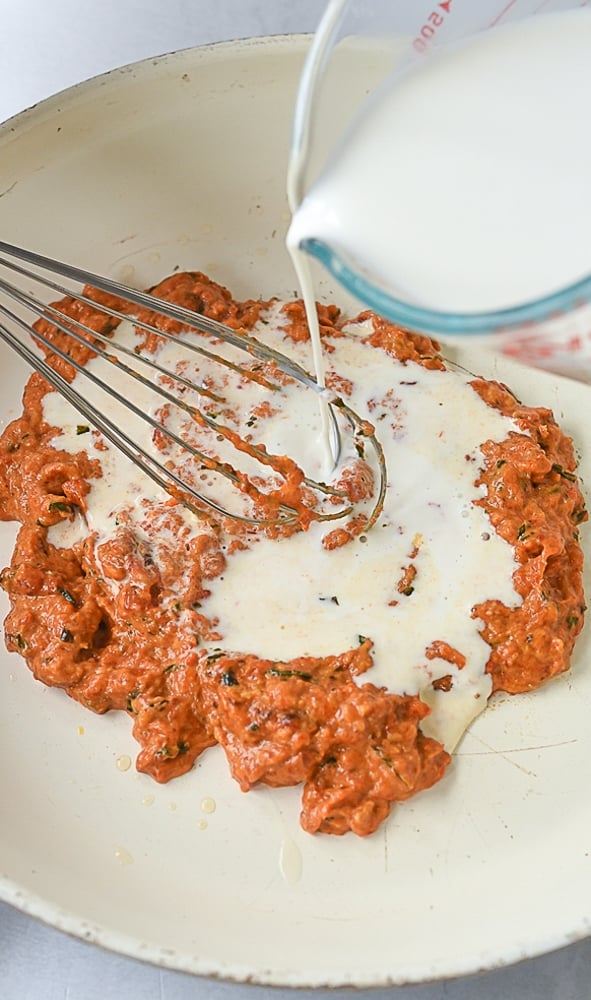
x=145, y=300
x=104, y=346
x=152, y=468
x=73, y=328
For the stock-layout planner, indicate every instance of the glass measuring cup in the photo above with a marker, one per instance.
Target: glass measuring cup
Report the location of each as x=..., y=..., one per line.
x=375, y=39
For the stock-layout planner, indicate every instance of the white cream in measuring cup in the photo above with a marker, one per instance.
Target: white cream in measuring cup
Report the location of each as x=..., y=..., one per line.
x=465, y=184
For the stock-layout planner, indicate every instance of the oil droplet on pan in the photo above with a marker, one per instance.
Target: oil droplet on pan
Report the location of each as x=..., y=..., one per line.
x=290, y=861
x=123, y=762
x=123, y=856
x=208, y=805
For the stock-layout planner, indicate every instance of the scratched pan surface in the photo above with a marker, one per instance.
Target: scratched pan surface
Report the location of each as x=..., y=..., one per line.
x=181, y=162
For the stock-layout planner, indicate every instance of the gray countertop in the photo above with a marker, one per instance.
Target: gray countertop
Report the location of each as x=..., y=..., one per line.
x=40, y=53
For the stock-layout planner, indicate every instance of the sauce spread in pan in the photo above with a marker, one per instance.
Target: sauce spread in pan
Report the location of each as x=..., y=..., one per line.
x=314, y=653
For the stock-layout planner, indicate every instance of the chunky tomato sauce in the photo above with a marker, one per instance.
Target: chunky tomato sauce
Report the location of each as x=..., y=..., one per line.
x=356, y=748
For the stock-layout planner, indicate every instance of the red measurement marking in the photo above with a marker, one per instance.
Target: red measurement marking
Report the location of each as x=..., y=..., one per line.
x=531, y=351
x=545, y=345
x=574, y=343
x=433, y=22
x=504, y=11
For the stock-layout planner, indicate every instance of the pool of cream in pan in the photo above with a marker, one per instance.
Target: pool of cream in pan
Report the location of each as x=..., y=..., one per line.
x=285, y=598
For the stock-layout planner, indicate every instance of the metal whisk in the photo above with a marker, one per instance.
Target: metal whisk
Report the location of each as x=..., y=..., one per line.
x=16, y=329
